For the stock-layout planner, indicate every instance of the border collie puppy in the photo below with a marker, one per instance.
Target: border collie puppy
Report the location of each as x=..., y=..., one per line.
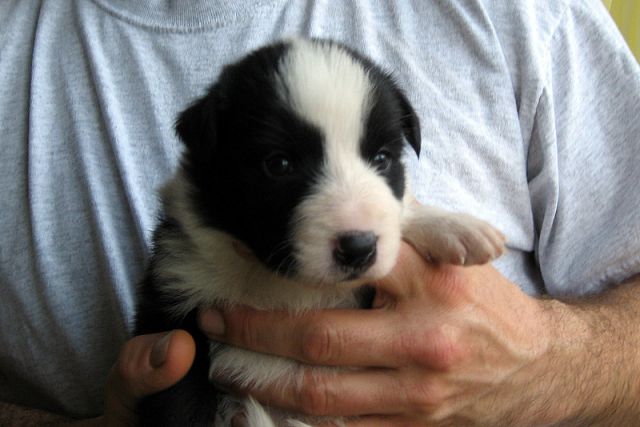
x=291, y=195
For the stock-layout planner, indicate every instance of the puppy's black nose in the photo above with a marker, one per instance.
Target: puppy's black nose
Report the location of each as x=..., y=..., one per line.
x=356, y=249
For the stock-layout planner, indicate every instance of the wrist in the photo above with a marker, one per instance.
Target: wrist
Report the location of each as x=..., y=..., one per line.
x=568, y=365
x=591, y=366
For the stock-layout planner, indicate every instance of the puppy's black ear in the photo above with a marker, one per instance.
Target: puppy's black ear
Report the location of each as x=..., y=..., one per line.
x=410, y=122
x=196, y=126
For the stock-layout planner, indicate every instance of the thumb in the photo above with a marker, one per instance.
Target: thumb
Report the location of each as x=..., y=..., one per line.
x=147, y=364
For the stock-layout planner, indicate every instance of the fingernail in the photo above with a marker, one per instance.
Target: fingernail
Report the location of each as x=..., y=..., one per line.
x=212, y=323
x=159, y=350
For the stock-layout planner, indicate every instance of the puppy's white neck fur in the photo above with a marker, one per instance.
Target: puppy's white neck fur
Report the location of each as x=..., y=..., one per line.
x=205, y=269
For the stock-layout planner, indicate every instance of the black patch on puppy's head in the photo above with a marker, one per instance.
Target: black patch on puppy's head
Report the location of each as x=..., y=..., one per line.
x=236, y=135
x=391, y=121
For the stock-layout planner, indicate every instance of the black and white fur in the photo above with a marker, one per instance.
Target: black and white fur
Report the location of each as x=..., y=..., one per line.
x=291, y=195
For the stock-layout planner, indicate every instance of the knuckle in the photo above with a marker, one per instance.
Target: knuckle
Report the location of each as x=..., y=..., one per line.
x=314, y=397
x=426, y=397
x=125, y=377
x=446, y=355
x=437, y=348
x=320, y=343
x=126, y=365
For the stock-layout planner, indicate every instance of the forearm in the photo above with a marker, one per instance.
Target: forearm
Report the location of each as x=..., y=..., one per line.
x=596, y=342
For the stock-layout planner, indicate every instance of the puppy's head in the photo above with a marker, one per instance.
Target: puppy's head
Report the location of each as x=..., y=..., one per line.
x=296, y=152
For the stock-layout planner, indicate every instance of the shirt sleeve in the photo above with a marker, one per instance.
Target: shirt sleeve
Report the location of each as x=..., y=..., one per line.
x=583, y=172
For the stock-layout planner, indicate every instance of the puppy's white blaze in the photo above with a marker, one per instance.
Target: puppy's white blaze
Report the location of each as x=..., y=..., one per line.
x=325, y=85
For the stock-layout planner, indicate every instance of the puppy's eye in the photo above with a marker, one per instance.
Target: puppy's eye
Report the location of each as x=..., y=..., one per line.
x=278, y=165
x=382, y=160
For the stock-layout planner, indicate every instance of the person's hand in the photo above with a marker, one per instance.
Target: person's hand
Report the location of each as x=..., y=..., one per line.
x=445, y=346
x=147, y=364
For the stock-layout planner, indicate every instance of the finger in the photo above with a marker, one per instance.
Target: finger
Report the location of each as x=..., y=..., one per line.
x=402, y=421
x=328, y=337
x=351, y=393
x=356, y=392
x=147, y=364
x=382, y=421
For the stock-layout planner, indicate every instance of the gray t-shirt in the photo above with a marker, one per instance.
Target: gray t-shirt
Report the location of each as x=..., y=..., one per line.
x=530, y=120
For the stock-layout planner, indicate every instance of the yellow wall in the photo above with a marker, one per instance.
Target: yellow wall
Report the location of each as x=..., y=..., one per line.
x=626, y=13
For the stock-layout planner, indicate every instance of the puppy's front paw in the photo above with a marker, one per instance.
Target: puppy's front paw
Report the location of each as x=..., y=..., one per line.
x=454, y=238
x=466, y=240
